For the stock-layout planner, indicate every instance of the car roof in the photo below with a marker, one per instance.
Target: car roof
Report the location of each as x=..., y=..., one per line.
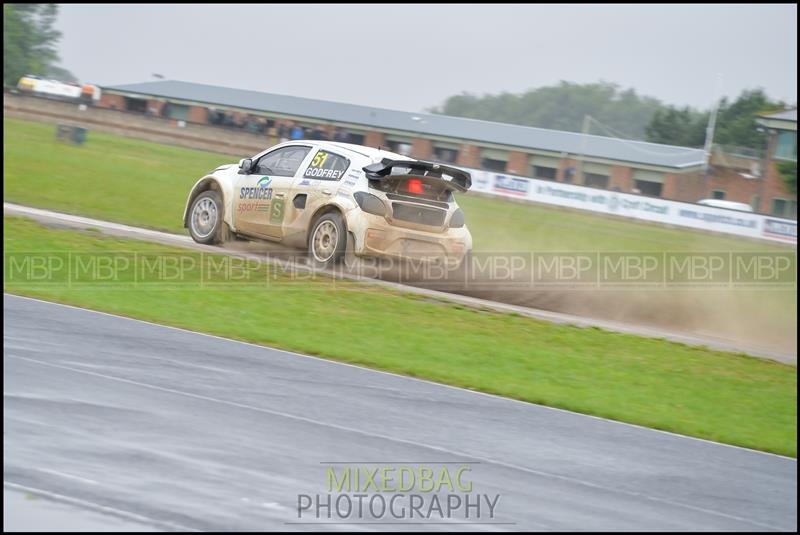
x=372, y=153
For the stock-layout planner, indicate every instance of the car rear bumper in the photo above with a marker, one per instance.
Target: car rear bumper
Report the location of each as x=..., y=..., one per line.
x=375, y=237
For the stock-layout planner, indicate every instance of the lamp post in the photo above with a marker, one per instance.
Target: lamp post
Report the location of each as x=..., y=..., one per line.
x=584, y=132
x=709, y=144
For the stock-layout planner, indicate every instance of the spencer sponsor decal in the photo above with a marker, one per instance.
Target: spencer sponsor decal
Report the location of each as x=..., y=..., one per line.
x=255, y=193
x=260, y=191
x=253, y=206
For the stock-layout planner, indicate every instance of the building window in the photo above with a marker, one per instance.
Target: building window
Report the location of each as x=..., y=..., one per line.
x=445, y=154
x=594, y=180
x=494, y=160
x=786, y=146
x=779, y=207
x=544, y=173
x=497, y=166
x=399, y=147
x=356, y=138
x=718, y=194
x=784, y=208
x=348, y=136
x=645, y=187
x=135, y=105
x=178, y=112
x=756, y=203
x=647, y=182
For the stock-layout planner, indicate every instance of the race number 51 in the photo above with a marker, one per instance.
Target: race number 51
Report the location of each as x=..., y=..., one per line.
x=319, y=159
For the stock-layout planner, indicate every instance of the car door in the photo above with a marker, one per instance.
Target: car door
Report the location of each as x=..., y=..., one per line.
x=316, y=184
x=260, y=200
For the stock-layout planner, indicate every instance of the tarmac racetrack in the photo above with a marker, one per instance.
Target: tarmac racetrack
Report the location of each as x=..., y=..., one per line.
x=180, y=430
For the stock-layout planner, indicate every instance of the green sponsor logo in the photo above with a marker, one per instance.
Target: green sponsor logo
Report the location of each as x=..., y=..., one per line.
x=276, y=215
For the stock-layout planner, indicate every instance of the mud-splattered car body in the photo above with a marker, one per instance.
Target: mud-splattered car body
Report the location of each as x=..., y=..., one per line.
x=390, y=205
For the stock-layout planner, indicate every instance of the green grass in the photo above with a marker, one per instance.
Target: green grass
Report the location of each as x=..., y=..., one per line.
x=694, y=391
x=110, y=177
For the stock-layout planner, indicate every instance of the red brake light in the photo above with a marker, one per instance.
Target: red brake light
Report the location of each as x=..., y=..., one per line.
x=415, y=186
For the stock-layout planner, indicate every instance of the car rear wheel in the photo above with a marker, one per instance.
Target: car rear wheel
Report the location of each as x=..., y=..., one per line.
x=327, y=240
x=205, y=219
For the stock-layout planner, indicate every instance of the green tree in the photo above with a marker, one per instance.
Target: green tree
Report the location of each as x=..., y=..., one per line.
x=736, y=122
x=560, y=107
x=673, y=126
x=623, y=112
x=788, y=171
x=29, y=42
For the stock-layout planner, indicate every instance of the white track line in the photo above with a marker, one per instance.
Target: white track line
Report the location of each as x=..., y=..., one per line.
x=67, y=476
x=95, y=506
x=545, y=315
x=405, y=377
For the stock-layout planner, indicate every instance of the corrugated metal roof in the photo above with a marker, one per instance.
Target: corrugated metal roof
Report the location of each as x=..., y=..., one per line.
x=789, y=115
x=524, y=137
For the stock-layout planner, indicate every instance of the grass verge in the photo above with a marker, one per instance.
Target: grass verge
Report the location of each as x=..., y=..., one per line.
x=694, y=391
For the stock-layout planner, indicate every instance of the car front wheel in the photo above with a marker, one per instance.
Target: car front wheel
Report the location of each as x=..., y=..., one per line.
x=205, y=218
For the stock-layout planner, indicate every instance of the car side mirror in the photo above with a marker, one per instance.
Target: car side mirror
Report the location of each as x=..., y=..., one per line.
x=246, y=166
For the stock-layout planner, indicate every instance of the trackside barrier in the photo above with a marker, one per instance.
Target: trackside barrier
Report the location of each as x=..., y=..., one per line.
x=636, y=206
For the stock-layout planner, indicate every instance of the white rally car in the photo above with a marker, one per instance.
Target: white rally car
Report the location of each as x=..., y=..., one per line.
x=327, y=196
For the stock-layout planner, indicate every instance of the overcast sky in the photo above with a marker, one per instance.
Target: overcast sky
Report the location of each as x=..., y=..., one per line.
x=411, y=57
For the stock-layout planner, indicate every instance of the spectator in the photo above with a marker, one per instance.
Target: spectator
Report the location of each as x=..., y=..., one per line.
x=341, y=136
x=297, y=132
x=283, y=133
x=319, y=134
x=569, y=174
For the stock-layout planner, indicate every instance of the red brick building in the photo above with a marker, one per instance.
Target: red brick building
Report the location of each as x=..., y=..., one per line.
x=781, y=129
x=669, y=172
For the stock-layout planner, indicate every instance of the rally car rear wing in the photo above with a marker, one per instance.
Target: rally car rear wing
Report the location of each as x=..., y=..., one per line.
x=386, y=168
